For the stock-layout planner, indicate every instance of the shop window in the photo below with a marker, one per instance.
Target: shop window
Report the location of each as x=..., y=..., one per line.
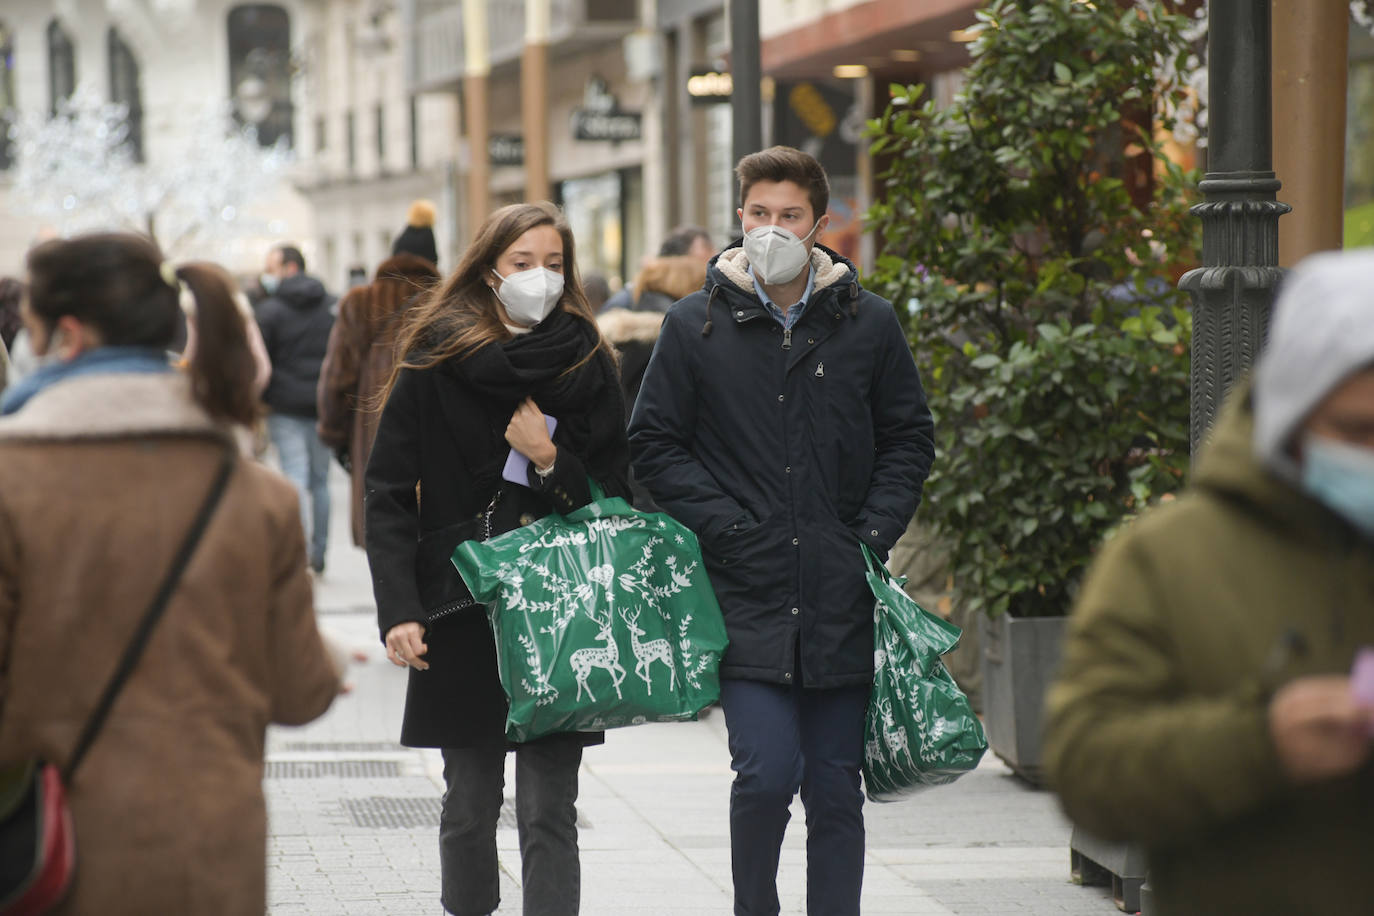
x=595, y=208
x=124, y=90
x=61, y=66
x=260, y=70
x=8, y=105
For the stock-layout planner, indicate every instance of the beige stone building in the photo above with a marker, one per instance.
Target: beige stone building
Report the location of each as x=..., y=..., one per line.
x=167, y=60
x=371, y=144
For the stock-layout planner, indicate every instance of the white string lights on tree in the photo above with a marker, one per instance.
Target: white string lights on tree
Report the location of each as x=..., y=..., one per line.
x=76, y=172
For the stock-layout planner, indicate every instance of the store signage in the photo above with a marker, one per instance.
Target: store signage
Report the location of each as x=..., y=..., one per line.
x=709, y=87
x=600, y=117
x=821, y=118
x=506, y=149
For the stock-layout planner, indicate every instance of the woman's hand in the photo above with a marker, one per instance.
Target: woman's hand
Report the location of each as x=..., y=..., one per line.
x=528, y=434
x=405, y=644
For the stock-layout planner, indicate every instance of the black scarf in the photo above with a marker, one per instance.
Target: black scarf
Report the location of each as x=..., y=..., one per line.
x=587, y=403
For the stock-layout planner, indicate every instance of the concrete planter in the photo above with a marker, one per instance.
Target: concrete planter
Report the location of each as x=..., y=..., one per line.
x=1020, y=657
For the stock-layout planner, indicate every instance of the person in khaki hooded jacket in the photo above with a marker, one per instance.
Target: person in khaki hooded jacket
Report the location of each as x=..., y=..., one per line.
x=1205, y=707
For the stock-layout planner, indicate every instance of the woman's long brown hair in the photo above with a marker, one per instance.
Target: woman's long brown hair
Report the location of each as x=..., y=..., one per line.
x=462, y=314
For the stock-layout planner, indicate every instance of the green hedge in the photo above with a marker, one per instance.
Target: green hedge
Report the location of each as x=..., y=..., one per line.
x=1037, y=293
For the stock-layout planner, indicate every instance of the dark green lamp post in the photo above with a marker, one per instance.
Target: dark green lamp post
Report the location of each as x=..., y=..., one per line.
x=1240, y=216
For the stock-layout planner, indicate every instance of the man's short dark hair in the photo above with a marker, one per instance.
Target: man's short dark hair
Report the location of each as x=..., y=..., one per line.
x=680, y=240
x=290, y=254
x=785, y=163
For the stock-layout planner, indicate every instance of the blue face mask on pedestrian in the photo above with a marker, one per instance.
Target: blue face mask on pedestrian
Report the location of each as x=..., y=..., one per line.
x=1341, y=477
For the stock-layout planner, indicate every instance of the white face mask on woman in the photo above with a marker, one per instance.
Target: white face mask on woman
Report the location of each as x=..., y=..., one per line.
x=530, y=295
x=775, y=253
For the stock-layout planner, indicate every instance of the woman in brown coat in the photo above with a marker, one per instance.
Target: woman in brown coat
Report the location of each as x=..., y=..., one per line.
x=105, y=456
x=362, y=349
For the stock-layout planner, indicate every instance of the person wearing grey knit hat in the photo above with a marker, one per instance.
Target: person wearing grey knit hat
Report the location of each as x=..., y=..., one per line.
x=1215, y=699
x=417, y=237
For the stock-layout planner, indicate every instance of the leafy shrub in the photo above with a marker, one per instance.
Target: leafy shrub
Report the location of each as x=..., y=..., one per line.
x=1026, y=232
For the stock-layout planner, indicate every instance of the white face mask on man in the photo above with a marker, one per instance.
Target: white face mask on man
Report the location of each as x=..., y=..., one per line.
x=776, y=254
x=531, y=295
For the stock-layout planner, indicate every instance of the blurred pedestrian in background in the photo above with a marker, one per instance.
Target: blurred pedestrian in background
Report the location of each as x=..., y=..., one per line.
x=362, y=349
x=597, y=290
x=504, y=341
x=684, y=241
x=1205, y=707
x=665, y=280
x=295, y=320
x=19, y=357
x=633, y=332
x=106, y=455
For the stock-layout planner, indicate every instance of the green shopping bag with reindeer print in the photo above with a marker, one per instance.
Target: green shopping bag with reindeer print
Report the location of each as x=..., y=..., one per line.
x=603, y=618
x=920, y=730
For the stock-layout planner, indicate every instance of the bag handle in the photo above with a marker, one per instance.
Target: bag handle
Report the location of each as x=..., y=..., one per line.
x=875, y=565
x=153, y=614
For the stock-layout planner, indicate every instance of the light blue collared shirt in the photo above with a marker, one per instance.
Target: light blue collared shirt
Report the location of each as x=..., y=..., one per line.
x=794, y=313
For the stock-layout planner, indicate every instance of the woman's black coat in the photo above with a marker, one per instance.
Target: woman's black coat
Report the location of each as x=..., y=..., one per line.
x=434, y=470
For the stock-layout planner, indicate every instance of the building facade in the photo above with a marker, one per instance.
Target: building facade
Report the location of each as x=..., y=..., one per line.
x=168, y=62
x=600, y=109
x=370, y=144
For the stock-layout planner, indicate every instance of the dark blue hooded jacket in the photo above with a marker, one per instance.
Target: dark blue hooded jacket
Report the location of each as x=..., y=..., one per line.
x=295, y=323
x=782, y=455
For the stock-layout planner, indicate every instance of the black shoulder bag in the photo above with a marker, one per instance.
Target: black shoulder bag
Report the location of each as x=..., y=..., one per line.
x=37, y=840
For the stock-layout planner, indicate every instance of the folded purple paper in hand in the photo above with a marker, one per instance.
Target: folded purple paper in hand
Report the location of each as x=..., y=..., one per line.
x=1362, y=676
x=516, y=469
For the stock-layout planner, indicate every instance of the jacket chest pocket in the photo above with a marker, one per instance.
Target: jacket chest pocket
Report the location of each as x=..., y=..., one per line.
x=838, y=393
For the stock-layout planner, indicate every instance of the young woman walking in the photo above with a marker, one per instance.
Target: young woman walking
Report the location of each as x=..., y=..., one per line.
x=505, y=341
x=106, y=456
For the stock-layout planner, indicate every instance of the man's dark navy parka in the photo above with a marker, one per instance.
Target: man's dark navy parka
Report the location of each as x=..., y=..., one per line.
x=782, y=453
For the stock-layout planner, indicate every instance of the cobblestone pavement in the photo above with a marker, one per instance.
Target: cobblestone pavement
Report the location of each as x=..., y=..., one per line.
x=353, y=816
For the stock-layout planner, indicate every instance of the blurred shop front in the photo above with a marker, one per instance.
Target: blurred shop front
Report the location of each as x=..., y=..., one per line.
x=596, y=156
x=826, y=119
x=606, y=212
x=597, y=112
x=826, y=68
x=831, y=73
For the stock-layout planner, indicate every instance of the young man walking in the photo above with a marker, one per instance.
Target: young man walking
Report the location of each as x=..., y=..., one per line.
x=782, y=419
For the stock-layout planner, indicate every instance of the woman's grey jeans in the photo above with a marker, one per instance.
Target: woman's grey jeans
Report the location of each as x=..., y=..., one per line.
x=546, y=817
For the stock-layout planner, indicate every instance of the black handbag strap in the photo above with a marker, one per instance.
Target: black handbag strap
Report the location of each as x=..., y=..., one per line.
x=153, y=614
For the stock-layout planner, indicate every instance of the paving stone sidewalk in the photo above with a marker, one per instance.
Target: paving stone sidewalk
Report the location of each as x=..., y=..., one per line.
x=353, y=816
